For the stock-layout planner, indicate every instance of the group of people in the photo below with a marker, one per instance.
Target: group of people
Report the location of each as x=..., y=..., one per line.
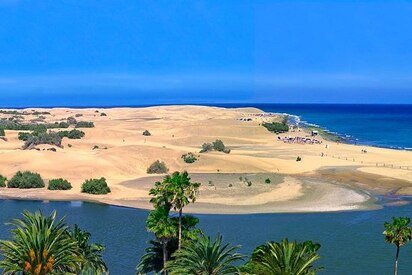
x=300, y=140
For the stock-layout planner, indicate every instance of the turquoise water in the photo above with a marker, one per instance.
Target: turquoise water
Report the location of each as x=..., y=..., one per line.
x=352, y=242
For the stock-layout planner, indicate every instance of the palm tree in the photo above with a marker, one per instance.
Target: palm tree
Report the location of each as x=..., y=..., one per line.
x=205, y=257
x=152, y=260
x=91, y=254
x=163, y=227
x=40, y=245
x=284, y=258
x=398, y=233
x=184, y=192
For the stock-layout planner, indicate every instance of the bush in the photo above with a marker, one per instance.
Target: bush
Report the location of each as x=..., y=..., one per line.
x=146, y=133
x=2, y=133
x=25, y=180
x=267, y=181
x=51, y=138
x=157, y=167
x=95, y=147
x=71, y=120
x=95, y=186
x=84, y=124
x=189, y=158
x=24, y=136
x=103, y=114
x=3, y=181
x=78, y=115
x=298, y=158
x=206, y=147
x=59, y=184
x=73, y=134
x=218, y=145
x=276, y=127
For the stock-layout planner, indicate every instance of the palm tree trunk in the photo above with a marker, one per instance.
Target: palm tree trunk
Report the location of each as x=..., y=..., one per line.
x=180, y=228
x=164, y=257
x=395, y=269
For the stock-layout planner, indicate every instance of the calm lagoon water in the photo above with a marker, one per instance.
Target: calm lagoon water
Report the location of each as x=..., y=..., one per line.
x=352, y=242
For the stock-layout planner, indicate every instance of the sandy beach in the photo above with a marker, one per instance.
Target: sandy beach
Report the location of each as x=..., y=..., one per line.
x=330, y=177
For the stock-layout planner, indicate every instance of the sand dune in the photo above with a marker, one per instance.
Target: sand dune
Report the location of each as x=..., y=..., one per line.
x=124, y=154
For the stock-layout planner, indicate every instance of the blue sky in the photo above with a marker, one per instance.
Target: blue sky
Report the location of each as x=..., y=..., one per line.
x=147, y=52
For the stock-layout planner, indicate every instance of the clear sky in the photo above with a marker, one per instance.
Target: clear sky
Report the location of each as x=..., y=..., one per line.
x=145, y=52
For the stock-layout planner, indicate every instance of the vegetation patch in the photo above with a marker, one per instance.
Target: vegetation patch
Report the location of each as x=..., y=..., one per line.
x=84, y=124
x=25, y=180
x=189, y=157
x=96, y=186
x=73, y=134
x=103, y=114
x=146, y=133
x=268, y=181
x=3, y=181
x=157, y=167
x=2, y=133
x=276, y=127
x=217, y=145
x=59, y=184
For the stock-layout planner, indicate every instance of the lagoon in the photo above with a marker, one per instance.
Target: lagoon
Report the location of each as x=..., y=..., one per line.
x=352, y=242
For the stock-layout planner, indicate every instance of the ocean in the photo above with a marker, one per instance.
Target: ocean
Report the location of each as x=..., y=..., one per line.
x=387, y=126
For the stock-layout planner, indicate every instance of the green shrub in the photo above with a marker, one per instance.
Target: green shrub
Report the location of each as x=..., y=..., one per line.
x=298, y=158
x=146, y=133
x=24, y=136
x=59, y=184
x=218, y=145
x=95, y=147
x=103, y=114
x=69, y=145
x=3, y=181
x=189, y=158
x=95, y=186
x=2, y=133
x=84, y=124
x=25, y=180
x=157, y=167
x=267, y=181
x=73, y=134
x=206, y=147
x=276, y=127
x=51, y=138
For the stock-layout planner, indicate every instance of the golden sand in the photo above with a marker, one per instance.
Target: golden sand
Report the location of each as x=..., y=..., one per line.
x=124, y=155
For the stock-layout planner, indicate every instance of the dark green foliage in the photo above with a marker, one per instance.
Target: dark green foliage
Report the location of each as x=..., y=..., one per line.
x=267, y=181
x=157, y=167
x=276, y=127
x=298, y=158
x=146, y=133
x=91, y=254
x=9, y=125
x=84, y=124
x=217, y=145
x=2, y=133
x=189, y=158
x=273, y=258
x=34, y=113
x=95, y=186
x=25, y=180
x=51, y=138
x=3, y=180
x=103, y=114
x=205, y=256
x=24, y=136
x=59, y=184
x=206, y=147
x=72, y=134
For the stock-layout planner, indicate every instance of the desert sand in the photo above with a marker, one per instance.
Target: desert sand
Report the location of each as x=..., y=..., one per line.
x=331, y=176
